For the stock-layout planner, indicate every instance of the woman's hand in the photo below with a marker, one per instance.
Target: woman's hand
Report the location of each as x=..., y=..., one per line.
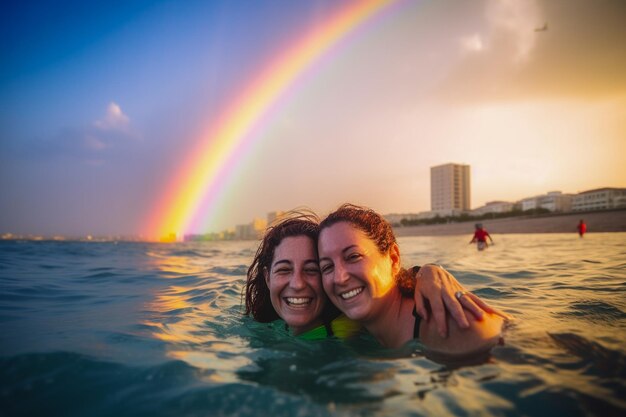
x=444, y=292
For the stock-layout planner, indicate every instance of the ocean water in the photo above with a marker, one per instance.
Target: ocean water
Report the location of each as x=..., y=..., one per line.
x=133, y=329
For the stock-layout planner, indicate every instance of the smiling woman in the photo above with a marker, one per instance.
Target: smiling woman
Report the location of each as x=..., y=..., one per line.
x=284, y=281
x=293, y=279
x=360, y=264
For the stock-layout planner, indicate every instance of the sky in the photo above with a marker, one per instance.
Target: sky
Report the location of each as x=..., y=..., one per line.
x=101, y=104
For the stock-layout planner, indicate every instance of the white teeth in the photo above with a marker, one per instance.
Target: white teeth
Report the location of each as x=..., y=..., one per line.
x=352, y=293
x=298, y=300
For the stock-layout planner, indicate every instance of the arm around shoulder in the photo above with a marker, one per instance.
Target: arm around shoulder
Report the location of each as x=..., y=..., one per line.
x=462, y=343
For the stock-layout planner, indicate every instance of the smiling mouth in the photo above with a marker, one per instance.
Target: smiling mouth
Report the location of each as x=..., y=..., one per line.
x=352, y=293
x=298, y=301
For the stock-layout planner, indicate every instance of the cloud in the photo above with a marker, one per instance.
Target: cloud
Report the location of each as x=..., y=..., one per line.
x=93, y=143
x=503, y=58
x=110, y=131
x=515, y=19
x=110, y=139
x=509, y=28
x=473, y=43
x=114, y=119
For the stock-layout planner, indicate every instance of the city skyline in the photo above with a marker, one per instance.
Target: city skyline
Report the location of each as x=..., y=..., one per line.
x=251, y=230
x=101, y=107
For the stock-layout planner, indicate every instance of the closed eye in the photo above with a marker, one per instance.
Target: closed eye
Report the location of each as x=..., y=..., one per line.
x=327, y=268
x=312, y=271
x=354, y=257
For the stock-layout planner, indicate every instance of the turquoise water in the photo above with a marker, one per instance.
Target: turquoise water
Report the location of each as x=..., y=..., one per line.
x=129, y=329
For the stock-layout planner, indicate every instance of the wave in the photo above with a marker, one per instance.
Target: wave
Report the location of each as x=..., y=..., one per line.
x=595, y=311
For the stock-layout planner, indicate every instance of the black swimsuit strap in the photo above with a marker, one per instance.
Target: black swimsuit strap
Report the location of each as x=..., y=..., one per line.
x=329, y=329
x=416, y=326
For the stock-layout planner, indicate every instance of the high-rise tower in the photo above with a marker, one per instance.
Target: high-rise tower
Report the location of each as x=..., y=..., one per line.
x=450, y=188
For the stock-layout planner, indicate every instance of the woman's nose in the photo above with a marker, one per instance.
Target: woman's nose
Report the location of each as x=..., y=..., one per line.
x=341, y=275
x=297, y=280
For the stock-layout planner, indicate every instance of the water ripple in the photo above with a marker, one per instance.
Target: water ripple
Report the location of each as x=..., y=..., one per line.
x=157, y=329
x=602, y=361
x=594, y=311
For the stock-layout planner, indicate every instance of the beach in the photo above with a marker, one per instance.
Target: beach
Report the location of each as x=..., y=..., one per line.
x=597, y=222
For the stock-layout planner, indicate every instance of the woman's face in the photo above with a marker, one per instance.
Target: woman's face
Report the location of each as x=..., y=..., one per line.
x=295, y=283
x=355, y=274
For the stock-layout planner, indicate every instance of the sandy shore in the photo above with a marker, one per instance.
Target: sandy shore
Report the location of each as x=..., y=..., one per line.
x=597, y=222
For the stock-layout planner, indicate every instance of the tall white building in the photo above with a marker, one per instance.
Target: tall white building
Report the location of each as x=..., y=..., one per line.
x=450, y=189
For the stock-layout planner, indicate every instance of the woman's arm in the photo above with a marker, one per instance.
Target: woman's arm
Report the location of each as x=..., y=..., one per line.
x=444, y=292
x=465, y=345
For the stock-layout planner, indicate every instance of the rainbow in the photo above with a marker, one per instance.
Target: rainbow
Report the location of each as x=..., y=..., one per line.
x=194, y=191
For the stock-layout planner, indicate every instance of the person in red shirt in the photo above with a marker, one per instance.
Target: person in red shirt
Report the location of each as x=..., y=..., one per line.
x=480, y=236
x=582, y=228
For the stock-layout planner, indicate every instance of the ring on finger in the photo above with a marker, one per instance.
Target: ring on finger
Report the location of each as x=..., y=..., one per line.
x=460, y=294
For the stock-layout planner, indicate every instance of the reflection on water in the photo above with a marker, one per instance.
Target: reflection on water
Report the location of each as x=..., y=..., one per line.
x=195, y=319
x=156, y=329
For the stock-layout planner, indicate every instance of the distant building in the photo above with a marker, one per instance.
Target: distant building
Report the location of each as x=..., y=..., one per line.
x=494, y=207
x=194, y=238
x=426, y=215
x=223, y=235
x=171, y=237
x=242, y=231
x=250, y=231
x=529, y=203
x=395, y=218
x=600, y=199
x=554, y=201
x=450, y=189
x=273, y=216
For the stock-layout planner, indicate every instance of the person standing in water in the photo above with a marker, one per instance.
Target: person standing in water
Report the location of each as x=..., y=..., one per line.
x=582, y=228
x=480, y=236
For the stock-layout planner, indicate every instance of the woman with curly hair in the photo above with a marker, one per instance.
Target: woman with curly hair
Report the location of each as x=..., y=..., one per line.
x=360, y=265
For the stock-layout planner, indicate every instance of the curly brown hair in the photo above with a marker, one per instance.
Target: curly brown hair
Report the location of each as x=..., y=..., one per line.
x=257, y=294
x=375, y=228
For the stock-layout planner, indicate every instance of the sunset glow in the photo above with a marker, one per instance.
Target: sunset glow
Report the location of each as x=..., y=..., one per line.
x=153, y=120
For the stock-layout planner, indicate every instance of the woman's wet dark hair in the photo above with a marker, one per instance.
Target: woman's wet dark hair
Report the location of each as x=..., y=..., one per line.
x=257, y=294
x=375, y=228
